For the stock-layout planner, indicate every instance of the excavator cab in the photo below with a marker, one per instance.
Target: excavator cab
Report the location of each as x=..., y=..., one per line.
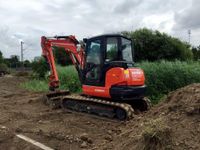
x=103, y=53
x=109, y=70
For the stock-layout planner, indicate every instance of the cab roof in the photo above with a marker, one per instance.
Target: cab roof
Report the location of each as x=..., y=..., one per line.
x=108, y=35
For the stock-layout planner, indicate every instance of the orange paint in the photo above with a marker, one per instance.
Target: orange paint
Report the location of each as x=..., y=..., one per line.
x=116, y=76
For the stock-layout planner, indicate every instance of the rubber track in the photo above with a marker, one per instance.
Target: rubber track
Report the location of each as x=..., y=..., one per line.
x=126, y=107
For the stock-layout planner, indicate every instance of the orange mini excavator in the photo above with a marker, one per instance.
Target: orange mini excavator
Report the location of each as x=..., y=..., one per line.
x=111, y=85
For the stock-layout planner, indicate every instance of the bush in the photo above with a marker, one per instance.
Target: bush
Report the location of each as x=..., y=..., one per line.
x=40, y=68
x=1, y=57
x=3, y=67
x=163, y=77
x=68, y=78
x=196, y=52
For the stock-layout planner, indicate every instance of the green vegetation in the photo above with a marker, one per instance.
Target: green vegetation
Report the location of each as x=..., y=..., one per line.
x=153, y=45
x=161, y=78
x=36, y=85
x=167, y=62
x=40, y=68
x=68, y=80
x=196, y=52
x=157, y=134
x=61, y=57
x=3, y=66
x=1, y=57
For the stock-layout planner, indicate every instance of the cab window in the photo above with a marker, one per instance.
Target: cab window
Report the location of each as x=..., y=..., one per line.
x=111, y=49
x=93, y=52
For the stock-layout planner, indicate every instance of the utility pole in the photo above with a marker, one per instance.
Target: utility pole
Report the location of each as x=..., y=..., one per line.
x=22, y=55
x=189, y=36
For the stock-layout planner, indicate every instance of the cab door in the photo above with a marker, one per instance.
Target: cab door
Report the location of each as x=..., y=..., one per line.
x=94, y=62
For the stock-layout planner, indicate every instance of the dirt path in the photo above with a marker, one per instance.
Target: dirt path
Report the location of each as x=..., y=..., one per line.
x=173, y=124
x=22, y=112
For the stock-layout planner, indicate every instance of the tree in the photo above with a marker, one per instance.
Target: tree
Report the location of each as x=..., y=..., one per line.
x=3, y=66
x=61, y=57
x=27, y=64
x=14, y=61
x=153, y=45
x=40, y=67
x=196, y=52
x=1, y=57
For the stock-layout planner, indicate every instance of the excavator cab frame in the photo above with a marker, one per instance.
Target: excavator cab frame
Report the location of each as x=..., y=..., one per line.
x=108, y=54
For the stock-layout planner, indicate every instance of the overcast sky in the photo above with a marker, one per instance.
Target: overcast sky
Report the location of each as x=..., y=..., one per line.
x=28, y=20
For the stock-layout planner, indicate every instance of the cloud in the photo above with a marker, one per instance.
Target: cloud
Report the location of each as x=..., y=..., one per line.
x=29, y=20
x=126, y=6
x=189, y=18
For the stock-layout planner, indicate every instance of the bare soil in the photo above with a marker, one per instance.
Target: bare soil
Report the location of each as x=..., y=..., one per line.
x=173, y=124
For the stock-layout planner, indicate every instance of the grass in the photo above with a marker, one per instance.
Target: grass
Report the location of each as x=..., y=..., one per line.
x=164, y=76
x=161, y=78
x=156, y=135
x=68, y=80
x=36, y=85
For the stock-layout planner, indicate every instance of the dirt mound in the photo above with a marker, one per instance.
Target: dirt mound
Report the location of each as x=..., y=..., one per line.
x=185, y=100
x=173, y=124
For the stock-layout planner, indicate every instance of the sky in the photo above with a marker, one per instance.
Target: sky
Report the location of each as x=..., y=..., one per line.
x=28, y=20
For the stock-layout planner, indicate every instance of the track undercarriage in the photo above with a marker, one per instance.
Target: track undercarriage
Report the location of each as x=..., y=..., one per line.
x=100, y=107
